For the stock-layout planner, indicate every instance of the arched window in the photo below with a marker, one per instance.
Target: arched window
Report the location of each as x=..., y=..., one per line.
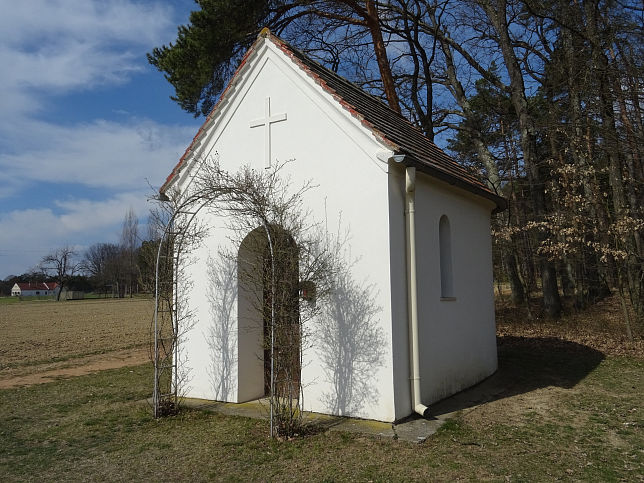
x=445, y=247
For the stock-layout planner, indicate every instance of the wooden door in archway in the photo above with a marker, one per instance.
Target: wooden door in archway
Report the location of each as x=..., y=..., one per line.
x=282, y=328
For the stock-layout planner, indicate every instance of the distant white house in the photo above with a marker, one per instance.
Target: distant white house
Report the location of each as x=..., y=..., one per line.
x=33, y=289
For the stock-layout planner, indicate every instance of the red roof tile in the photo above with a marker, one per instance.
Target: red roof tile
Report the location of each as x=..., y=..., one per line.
x=37, y=286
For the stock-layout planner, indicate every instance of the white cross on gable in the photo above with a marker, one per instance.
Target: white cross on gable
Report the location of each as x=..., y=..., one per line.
x=267, y=121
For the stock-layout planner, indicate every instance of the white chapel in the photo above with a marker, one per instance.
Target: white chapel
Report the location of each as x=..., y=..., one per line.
x=415, y=323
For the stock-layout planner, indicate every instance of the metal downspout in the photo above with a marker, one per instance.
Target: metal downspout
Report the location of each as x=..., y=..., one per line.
x=412, y=293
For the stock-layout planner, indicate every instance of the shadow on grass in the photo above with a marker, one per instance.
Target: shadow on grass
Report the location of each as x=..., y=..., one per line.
x=526, y=364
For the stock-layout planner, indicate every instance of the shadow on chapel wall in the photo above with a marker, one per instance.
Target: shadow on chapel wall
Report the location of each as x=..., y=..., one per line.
x=350, y=344
x=221, y=335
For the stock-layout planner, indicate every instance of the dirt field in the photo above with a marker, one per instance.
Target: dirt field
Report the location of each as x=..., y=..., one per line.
x=45, y=339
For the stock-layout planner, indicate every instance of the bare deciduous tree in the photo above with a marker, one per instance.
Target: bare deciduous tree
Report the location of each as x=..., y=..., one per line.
x=129, y=245
x=60, y=264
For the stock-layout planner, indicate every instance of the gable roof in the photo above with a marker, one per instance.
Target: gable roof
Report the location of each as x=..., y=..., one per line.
x=390, y=127
x=37, y=286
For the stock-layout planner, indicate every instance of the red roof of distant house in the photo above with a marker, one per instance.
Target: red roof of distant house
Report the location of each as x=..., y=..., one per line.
x=386, y=124
x=38, y=285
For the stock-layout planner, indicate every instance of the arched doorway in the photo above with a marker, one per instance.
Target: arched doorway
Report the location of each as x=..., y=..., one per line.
x=268, y=311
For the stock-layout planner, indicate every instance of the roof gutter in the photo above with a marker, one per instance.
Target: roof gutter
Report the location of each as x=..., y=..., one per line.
x=500, y=202
x=412, y=291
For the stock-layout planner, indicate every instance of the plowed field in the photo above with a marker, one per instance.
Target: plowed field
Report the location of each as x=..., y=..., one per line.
x=42, y=340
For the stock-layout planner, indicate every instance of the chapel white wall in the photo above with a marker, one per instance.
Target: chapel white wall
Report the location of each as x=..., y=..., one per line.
x=332, y=150
x=457, y=337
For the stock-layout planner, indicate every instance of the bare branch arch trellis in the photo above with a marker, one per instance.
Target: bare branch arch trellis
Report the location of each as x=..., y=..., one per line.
x=254, y=199
x=168, y=310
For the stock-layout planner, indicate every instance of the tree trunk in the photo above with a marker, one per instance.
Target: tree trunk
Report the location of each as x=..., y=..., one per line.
x=461, y=98
x=373, y=24
x=516, y=285
x=604, y=72
x=497, y=15
x=420, y=61
x=568, y=279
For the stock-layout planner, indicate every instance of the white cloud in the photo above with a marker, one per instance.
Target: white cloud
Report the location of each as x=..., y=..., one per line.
x=86, y=216
x=27, y=235
x=100, y=153
x=54, y=46
x=65, y=67
x=31, y=22
x=121, y=158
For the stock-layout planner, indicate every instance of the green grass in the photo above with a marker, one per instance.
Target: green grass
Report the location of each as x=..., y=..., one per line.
x=94, y=427
x=96, y=295
x=51, y=298
x=18, y=300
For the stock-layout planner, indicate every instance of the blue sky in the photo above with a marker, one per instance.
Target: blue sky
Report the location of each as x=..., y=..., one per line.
x=86, y=124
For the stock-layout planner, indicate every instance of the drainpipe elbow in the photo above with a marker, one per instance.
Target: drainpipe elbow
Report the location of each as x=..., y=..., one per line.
x=422, y=410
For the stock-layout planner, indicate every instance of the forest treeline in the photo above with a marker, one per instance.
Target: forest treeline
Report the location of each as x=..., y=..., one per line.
x=543, y=99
